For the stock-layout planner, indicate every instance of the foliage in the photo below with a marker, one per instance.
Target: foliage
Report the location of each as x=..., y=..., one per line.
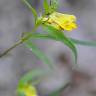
x=54, y=32
x=55, y=23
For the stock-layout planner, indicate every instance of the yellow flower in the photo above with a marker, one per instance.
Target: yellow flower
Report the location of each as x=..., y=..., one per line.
x=61, y=21
x=29, y=90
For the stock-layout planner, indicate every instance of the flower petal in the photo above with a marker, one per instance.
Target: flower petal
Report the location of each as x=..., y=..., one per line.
x=61, y=21
x=29, y=90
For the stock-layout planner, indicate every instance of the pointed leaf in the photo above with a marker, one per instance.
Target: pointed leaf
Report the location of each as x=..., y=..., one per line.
x=34, y=76
x=31, y=8
x=54, y=5
x=85, y=43
x=38, y=53
x=46, y=6
x=61, y=37
x=56, y=35
x=30, y=76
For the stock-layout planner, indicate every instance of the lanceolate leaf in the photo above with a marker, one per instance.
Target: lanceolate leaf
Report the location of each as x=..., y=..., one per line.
x=75, y=41
x=50, y=8
x=38, y=53
x=46, y=6
x=55, y=35
x=85, y=43
x=54, y=4
x=34, y=76
x=61, y=37
x=30, y=76
x=31, y=8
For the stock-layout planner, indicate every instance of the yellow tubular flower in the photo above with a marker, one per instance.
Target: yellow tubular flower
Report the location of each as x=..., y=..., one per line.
x=61, y=21
x=29, y=90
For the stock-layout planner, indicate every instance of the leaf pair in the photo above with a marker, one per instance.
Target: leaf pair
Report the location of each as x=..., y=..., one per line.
x=57, y=35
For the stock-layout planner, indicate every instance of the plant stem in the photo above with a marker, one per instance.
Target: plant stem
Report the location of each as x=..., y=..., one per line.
x=23, y=39
x=14, y=46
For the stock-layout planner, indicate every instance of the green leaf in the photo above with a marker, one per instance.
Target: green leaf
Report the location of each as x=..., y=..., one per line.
x=61, y=37
x=50, y=8
x=34, y=76
x=42, y=36
x=85, y=43
x=46, y=6
x=54, y=5
x=79, y=42
x=30, y=76
x=31, y=8
x=38, y=53
x=56, y=35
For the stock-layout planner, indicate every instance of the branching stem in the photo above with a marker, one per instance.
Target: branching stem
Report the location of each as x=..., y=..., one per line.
x=22, y=40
